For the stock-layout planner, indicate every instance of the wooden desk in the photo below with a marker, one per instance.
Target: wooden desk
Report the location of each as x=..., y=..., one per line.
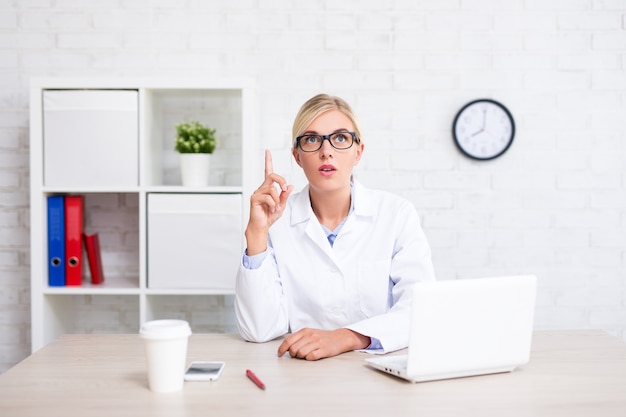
x=571, y=373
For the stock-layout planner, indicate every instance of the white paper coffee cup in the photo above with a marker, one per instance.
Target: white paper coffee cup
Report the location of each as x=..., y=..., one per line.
x=166, y=353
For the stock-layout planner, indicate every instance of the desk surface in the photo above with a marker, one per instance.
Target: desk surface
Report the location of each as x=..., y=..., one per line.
x=571, y=373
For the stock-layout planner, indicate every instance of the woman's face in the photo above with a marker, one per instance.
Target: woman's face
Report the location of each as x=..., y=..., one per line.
x=328, y=168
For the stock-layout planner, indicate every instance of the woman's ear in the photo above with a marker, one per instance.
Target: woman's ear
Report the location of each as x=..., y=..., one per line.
x=296, y=156
x=359, y=153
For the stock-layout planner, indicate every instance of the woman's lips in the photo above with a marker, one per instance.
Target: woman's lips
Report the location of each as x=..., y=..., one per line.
x=327, y=170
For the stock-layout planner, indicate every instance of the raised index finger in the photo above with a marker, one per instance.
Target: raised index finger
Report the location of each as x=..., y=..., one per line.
x=269, y=166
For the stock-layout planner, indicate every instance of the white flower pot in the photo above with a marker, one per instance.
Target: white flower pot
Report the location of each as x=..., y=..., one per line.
x=195, y=169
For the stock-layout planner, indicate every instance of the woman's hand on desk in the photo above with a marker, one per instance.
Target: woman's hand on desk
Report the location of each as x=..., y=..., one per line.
x=314, y=344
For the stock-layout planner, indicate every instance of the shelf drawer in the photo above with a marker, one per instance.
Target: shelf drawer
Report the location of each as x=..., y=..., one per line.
x=194, y=241
x=91, y=138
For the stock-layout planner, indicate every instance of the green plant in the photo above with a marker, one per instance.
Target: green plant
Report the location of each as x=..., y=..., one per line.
x=194, y=137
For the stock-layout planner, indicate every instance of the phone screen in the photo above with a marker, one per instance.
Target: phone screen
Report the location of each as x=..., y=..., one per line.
x=204, y=371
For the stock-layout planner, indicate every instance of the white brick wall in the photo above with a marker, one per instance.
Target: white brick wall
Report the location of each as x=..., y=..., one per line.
x=554, y=204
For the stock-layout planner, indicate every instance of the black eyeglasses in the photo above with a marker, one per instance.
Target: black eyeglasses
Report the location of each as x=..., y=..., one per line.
x=338, y=140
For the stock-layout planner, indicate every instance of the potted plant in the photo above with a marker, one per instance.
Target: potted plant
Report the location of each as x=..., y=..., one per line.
x=195, y=143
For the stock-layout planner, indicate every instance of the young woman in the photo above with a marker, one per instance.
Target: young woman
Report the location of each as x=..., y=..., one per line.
x=334, y=264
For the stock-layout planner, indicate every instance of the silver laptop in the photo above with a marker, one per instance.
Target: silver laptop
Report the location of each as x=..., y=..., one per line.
x=466, y=327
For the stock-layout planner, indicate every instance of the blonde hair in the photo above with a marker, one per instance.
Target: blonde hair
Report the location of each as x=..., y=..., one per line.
x=316, y=106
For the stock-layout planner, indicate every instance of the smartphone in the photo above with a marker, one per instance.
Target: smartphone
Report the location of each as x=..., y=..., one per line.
x=204, y=370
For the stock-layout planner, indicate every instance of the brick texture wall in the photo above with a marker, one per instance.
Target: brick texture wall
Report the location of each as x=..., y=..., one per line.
x=553, y=205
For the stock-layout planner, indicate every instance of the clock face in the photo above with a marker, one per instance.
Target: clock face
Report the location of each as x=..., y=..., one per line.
x=483, y=129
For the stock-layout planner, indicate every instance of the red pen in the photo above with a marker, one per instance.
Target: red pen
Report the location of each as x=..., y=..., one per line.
x=255, y=379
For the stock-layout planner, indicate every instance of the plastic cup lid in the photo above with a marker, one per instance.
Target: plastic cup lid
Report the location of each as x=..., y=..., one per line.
x=165, y=329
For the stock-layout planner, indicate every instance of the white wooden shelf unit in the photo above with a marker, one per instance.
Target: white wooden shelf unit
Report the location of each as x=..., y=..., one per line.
x=146, y=197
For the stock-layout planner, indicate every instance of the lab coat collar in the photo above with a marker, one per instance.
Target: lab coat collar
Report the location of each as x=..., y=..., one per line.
x=302, y=210
x=303, y=213
x=362, y=200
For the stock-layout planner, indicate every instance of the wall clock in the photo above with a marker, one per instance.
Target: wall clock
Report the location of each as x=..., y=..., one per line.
x=483, y=129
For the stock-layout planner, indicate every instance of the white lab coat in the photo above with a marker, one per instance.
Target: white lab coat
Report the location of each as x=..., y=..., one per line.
x=363, y=283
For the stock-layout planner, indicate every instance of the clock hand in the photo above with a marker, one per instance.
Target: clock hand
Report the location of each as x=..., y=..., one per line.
x=482, y=129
